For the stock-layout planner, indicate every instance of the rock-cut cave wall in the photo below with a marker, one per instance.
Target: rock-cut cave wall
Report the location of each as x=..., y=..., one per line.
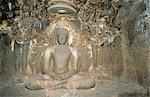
x=139, y=46
x=137, y=37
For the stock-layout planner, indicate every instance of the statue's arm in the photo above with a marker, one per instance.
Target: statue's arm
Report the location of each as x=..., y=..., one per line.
x=47, y=59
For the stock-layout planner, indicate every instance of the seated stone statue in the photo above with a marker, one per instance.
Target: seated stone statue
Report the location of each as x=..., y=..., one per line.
x=57, y=70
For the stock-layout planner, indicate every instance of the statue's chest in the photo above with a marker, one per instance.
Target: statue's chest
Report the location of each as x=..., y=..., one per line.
x=62, y=52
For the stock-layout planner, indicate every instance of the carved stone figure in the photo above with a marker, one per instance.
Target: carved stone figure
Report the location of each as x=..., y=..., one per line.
x=22, y=43
x=58, y=70
x=27, y=30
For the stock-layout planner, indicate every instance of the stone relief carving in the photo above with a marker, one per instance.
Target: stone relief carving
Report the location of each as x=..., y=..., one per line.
x=60, y=70
x=76, y=44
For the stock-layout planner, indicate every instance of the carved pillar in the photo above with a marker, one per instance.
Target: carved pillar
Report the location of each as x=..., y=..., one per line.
x=24, y=57
x=94, y=51
x=125, y=53
x=97, y=51
x=84, y=59
x=100, y=55
x=148, y=63
x=1, y=52
x=21, y=51
x=18, y=50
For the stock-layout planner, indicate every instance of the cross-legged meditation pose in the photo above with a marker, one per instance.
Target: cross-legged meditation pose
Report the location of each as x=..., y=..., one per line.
x=58, y=69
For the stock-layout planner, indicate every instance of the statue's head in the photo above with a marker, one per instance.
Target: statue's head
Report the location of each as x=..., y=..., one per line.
x=62, y=36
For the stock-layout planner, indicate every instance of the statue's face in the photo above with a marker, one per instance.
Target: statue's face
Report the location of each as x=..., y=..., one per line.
x=62, y=38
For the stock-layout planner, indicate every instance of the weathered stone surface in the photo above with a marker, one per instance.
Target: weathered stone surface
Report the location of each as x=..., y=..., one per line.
x=110, y=39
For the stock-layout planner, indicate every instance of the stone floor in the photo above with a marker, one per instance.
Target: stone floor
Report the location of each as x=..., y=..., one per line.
x=114, y=88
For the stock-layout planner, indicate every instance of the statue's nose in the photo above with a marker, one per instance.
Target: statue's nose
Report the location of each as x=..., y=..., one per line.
x=62, y=38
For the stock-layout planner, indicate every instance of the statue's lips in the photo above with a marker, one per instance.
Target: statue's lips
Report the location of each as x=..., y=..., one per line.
x=61, y=8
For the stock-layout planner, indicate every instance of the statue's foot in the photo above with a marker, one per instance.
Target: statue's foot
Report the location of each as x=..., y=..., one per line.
x=19, y=78
x=38, y=82
x=78, y=81
x=81, y=82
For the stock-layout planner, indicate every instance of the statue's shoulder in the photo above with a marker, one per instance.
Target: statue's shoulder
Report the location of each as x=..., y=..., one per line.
x=50, y=49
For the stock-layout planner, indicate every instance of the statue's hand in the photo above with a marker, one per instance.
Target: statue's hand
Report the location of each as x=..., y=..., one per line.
x=72, y=71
